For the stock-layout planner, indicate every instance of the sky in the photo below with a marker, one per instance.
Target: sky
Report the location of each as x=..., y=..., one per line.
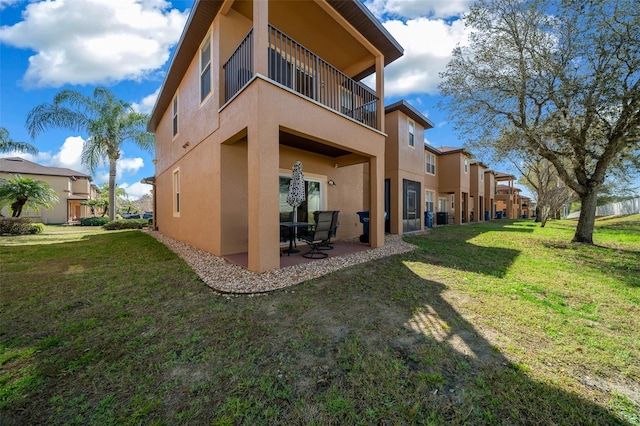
x=126, y=46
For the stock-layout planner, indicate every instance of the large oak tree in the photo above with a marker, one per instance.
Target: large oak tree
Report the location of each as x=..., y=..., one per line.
x=557, y=79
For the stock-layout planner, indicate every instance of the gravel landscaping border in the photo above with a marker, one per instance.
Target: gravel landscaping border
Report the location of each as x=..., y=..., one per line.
x=227, y=277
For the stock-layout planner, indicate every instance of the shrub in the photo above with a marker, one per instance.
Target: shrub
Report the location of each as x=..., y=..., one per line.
x=126, y=224
x=36, y=228
x=94, y=221
x=19, y=226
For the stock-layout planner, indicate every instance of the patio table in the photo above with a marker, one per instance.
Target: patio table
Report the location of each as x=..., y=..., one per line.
x=292, y=226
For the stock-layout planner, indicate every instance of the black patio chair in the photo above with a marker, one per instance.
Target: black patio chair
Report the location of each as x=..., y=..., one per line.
x=318, y=235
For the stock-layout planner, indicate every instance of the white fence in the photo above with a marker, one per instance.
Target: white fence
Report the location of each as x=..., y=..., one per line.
x=614, y=209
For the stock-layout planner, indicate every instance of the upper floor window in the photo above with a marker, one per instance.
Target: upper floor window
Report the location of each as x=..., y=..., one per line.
x=466, y=165
x=412, y=128
x=175, y=115
x=481, y=174
x=430, y=161
x=205, y=69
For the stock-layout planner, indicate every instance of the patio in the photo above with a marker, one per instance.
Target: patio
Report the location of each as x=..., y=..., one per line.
x=340, y=248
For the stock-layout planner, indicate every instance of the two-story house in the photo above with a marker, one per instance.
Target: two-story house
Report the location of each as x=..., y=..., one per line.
x=477, y=195
x=405, y=174
x=253, y=87
x=455, y=181
x=489, y=192
x=507, y=196
x=73, y=189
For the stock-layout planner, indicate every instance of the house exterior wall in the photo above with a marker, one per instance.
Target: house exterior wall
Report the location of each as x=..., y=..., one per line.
x=403, y=161
x=489, y=190
x=229, y=158
x=453, y=180
x=66, y=209
x=477, y=191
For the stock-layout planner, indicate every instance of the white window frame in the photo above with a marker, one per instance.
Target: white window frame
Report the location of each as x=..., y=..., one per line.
x=429, y=198
x=412, y=134
x=176, y=192
x=466, y=165
x=442, y=202
x=174, y=122
x=428, y=156
x=204, y=68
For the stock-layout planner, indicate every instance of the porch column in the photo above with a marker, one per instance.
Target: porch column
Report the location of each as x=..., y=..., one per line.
x=457, y=217
x=262, y=205
x=376, y=197
x=261, y=37
x=380, y=91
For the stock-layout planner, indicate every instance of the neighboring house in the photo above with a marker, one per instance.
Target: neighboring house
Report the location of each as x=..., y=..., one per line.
x=525, y=207
x=478, y=199
x=405, y=172
x=507, y=197
x=455, y=181
x=73, y=189
x=253, y=87
x=490, y=191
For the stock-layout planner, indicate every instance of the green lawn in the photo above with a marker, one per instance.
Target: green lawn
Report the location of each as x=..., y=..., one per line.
x=498, y=323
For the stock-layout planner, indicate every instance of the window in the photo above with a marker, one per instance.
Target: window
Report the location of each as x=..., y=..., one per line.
x=176, y=192
x=430, y=161
x=429, y=201
x=175, y=115
x=453, y=202
x=205, y=69
x=442, y=204
x=411, y=133
x=466, y=165
x=481, y=174
x=314, y=193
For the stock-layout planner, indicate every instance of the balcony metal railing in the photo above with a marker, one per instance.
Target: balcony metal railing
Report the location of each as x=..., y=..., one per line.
x=304, y=72
x=238, y=70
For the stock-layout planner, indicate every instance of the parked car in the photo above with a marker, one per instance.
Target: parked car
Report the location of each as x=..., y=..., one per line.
x=147, y=215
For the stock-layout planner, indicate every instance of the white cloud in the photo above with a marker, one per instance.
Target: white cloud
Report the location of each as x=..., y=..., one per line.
x=69, y=155
x=136, y=190
x=427, y=50
x=147, y=103
x=94, y=41
x=129, y=165
x=411, y=9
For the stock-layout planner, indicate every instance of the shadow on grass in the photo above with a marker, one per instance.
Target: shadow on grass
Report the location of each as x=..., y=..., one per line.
x=623, y=264
x=371, y=344
x=450, y=247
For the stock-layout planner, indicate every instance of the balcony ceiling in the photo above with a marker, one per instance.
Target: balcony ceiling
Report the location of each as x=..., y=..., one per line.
x=299, y=142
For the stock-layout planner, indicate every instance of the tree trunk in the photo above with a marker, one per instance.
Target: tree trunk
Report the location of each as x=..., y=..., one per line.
x=587, y=221
x=538, y=214
x=112, y=188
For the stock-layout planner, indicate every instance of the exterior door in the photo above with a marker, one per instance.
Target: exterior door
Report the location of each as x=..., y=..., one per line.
x=411, y=206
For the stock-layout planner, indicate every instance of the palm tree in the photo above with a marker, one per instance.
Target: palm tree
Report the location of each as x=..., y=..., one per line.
x=108, y=122
x=8, y=145
x=21, y=192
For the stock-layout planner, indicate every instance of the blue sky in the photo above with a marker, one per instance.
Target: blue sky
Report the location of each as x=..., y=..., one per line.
x=126, y=45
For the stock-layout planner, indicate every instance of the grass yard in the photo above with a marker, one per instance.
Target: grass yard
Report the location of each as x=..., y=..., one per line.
x=502, y=323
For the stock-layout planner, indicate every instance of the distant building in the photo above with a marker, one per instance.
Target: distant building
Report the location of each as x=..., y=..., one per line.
x=73, y=189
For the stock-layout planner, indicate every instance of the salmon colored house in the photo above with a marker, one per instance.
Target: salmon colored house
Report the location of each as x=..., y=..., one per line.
x=74, y=189
x=478, y=199
x=507, y=197
x=405, y=172
x=253, y=87
x=455, y=181
x=489, y=192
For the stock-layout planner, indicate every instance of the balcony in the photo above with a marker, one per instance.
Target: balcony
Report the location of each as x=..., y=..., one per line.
x=299, y=69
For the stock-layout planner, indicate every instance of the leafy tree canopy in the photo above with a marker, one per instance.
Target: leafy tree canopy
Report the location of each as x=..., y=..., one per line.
x=26, y=193
x=556, y=79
